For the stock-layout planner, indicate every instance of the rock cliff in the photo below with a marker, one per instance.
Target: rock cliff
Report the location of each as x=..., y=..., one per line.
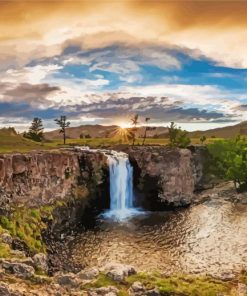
x=44, y=178
x=171, y=175
x=41, y=178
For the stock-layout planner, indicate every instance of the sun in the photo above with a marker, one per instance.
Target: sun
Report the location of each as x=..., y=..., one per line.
x=123, y=125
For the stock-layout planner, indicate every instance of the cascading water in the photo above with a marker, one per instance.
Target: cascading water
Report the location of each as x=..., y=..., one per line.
x=121, y=186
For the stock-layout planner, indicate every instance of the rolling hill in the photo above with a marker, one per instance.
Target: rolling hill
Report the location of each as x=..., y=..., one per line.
x=101, y=131
x=11, y=141
x=223, y=132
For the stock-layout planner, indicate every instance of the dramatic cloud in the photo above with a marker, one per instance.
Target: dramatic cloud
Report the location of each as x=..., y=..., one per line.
x=27, y=93
x=169, y=60
x=159, y=109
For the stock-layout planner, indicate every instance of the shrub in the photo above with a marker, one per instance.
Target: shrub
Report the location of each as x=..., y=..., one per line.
x=230, y=161
x=177, y=136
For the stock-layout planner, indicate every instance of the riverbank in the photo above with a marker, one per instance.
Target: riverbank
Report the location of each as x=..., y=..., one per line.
x=19, y=279
x=47, y=195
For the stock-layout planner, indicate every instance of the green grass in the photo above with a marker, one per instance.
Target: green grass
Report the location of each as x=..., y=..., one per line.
x=4, y=250
x=187, y=285
x=16, y=143
x=108, y=142
x=10, y=141
x=27, y=224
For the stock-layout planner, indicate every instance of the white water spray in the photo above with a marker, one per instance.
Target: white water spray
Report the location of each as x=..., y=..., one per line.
x=121, y=186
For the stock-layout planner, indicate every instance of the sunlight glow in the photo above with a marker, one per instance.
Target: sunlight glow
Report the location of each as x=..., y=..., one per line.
x=124, y=125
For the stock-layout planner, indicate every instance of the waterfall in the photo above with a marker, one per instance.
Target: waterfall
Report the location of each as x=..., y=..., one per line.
x=121, y=186
x=121, y=179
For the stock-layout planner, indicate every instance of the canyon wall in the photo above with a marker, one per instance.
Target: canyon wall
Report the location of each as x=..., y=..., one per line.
x=42, y=178
x=170, y=175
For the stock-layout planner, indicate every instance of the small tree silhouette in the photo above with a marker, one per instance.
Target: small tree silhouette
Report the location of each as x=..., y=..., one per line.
x=63, y=123
x=146, y=129
x=203, y=139
x=35, y=131
x=134, y=122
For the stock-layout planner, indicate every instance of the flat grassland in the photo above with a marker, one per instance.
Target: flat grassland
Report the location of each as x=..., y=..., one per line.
x=11, y=142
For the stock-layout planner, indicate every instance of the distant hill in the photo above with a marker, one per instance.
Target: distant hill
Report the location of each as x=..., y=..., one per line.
x=101, y=131
x=223, y=132
x=11, y=141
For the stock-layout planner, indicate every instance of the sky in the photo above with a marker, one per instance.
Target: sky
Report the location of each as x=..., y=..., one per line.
x=100, y=62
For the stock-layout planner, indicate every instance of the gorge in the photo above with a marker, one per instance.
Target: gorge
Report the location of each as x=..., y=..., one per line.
x=101, y=206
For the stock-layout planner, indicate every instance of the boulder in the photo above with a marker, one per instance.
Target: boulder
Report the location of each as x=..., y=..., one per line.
x=6, y=238
x=104, y=291
x=5, y=291
x=17, y=253
x=41, y=262
x=69, y=279
x=118, y=272
x=19, y=269
x=152, y=292
x=138, y=289
x=242, y=289
x=88, y=274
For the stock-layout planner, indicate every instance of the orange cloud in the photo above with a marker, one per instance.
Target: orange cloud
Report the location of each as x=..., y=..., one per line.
x=216, y=29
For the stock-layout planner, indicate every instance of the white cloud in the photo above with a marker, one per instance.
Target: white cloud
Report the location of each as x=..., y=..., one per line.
x=32, y=75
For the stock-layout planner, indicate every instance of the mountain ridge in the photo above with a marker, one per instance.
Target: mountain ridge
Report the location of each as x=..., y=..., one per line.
x=105, y=131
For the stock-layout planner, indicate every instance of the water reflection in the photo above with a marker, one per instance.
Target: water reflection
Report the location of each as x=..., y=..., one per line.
x=207, y=238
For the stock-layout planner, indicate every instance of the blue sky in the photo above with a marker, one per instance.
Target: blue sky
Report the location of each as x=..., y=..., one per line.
x=105, y=71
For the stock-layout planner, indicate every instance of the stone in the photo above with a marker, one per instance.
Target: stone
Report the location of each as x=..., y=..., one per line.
x=19, y=269
x=41, y=262
x=5, y=291
x=47, y=176
x=118, y=272
x=17, y=253
x=242, y=289
x=104, y=291
x=88, y=273
x=153, y=292
x=226, y=276
x=68, y=279
x=6, y=238
x=138, y=289
x=174, y=171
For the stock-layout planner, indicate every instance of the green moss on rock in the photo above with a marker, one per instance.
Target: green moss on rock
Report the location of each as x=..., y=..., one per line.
x=28, y=225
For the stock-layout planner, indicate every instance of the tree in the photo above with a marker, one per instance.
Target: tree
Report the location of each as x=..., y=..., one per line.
x=63, y=123
x=177, y=136
x=146, y=129
x=203, y=139
x=134, y=122
x=229, y=161
x=35, y=131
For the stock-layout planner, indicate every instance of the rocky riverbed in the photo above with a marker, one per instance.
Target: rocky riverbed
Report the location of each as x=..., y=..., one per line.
x=49, y=200
x=27, y=277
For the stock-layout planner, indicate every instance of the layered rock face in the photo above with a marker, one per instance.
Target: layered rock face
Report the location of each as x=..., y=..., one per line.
x=173, y=175
x=41, y=178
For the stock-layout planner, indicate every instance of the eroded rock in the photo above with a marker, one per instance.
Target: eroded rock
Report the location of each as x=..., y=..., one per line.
x=118, y=272
x=138, y=289
x=88, y=273
x=41, y=262
x=6, y=238
x=21, y=270
x=104, y=291
x=70, y=280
